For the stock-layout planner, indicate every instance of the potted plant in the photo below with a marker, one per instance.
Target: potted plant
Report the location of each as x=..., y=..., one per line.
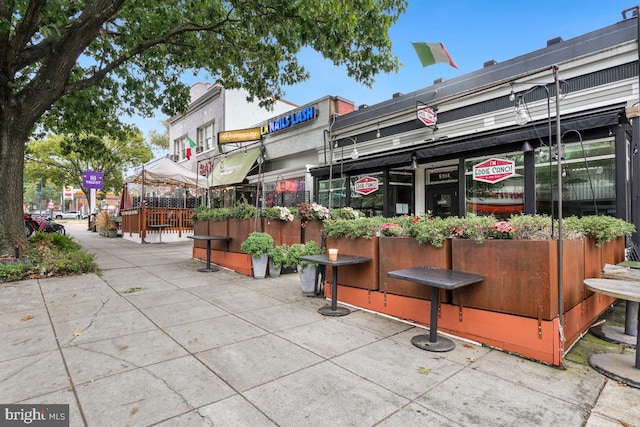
x=306, y=269
x=257, y=244
x=277, y=258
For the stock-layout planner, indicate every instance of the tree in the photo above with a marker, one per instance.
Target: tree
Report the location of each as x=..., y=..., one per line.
x=160, y=140
x=62, y=159
x=75, y=67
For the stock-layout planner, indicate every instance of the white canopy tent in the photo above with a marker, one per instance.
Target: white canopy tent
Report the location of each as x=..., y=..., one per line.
x=165, y=172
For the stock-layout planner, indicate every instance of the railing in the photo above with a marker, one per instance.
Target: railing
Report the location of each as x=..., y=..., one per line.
x=138, y=220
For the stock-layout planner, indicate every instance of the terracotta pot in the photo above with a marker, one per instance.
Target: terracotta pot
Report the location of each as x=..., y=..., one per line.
x=521, y=277
x=396, y=253
x=365, y=275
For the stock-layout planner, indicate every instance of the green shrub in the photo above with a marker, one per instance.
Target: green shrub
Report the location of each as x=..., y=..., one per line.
x=257, y=244
x=602, y=228
x=431, y=231
x=242, y=210
x=354, y=228
x=301, y=249
x=278, y=254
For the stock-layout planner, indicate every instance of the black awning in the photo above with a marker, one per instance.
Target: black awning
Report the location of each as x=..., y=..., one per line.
x=428, y=150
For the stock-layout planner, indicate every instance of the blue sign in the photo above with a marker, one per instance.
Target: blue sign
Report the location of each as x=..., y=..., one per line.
x=92, y=179
x=299, y=116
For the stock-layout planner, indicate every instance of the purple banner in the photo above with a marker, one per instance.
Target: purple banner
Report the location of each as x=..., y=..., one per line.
x=92, y=179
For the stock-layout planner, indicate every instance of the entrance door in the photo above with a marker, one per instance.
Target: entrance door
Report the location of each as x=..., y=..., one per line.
x=442, y=200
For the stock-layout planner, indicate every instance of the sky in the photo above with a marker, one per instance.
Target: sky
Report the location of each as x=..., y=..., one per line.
x=473, y=32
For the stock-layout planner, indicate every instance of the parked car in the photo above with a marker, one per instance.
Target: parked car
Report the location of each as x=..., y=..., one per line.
x=67, y=215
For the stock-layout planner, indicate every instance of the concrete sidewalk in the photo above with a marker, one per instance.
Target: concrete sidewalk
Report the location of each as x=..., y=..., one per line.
x=151, y=341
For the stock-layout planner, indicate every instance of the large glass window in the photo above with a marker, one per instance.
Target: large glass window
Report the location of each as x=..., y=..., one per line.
x=285, y=192
x=372, y=202
x=400, y=193
x=338, y=193
x=502, y=198
x=588, y=179
x=179, y=147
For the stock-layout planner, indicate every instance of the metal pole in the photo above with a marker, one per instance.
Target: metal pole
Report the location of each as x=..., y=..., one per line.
x=560, y=243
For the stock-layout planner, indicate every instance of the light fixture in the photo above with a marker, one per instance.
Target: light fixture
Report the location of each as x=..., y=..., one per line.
x=378, y=131
x=526, y=147
x=414, y=161
x=354, y=154
x=522, y=115
x=512, y=95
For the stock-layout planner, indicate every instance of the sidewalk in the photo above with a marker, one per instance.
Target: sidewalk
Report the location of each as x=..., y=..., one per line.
x=151, y=341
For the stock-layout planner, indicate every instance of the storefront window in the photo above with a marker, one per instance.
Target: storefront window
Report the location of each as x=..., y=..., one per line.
x=286, y=192
x=490, y=194
x=338, y=193
x=588, y=179
x=367, y=193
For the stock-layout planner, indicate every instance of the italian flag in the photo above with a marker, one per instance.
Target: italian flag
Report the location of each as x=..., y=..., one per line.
x=187, y=151
x=432, y=53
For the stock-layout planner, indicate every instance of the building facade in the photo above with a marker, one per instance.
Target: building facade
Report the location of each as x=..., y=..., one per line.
x=487, y=142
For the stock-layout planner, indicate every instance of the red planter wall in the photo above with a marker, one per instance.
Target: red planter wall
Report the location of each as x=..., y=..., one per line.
x=365, y=276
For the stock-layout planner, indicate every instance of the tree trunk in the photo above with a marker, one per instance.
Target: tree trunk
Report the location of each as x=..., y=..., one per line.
x=13, y=139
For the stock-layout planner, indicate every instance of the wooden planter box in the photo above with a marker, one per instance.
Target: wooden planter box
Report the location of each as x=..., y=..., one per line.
x=218, y=228
x=283, y=232
x=520, y=276
x=312, y=230
x=200, y=228
x=365, y=276
x=596, y=257
x=405, y=252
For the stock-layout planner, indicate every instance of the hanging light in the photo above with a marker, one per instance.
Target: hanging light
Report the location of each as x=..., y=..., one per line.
x=512, y=95
x=378, y=131
x=522, y=115
x=414, y=161
x=354, y=154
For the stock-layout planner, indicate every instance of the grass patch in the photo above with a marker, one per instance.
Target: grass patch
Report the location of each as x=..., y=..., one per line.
x=49, y=254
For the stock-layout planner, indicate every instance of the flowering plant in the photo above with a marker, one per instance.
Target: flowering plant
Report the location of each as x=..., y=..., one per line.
x=285, y=214
x=502, y=230
x=312, y=211
x=391, y=229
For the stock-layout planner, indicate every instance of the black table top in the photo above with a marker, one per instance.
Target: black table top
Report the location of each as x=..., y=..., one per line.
x=437, y=277
x=342, y=259
x=207, y=237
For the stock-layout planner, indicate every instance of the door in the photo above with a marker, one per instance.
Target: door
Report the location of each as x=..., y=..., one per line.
x=442, y=200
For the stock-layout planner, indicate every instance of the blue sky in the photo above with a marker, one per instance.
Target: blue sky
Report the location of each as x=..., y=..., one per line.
x=472, y=31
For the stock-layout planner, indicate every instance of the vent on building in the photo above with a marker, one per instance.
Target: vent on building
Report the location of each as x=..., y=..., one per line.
x=173, y=158
x=554, y=41
x=438, y=80
x=489, y=63
x=362, y=106
x=396, y=95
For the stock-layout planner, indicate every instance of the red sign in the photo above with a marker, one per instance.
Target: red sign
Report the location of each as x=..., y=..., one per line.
x=366, y=185
x=494, y=170
x=427, y=116
x=51, y=205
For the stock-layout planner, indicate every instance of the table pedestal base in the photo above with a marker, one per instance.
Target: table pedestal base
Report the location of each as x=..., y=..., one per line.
x=208, y=270
x=442, y=343
x=614, y=334
x=339, y=311
x=620, y=367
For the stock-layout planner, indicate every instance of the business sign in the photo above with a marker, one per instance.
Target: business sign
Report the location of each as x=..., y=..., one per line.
x=295, y=118
x=92, y=179
x=67, y=192
x=427, y=116
x=241, y=135
x=366, y=185
x=494, y=170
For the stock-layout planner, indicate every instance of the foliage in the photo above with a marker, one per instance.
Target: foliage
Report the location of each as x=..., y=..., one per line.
x=433, y=231
x=531, y=227
x=257, y=244
x=345, y=213
x=49, y=254
x=354, y=228
x=502, y=230
x=83, y=68
x=309, y=212
x=472, y=226
x=105, y=221
x=391, y=229
x=242, y=210
x=62, y=159
x=301, y=249
x=602, y=228
x=278, y=254
x=203, y=213
x=277, y=213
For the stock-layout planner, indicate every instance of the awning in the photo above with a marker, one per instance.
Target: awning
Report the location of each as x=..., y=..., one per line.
x=234, y=168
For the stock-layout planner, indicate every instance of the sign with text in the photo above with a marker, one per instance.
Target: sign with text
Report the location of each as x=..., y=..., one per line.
x=366, y=185
x=67, y=192
x=241, y=135
x=92, y=179
x=427, y=116
x=494, y=170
